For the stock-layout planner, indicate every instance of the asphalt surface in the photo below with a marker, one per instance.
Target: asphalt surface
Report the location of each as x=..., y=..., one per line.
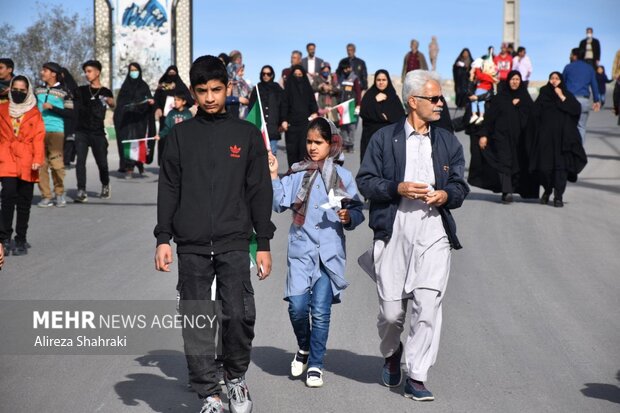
x=531, y=316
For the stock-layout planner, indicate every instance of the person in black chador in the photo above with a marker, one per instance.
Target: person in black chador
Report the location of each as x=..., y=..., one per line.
x=214, y=189
x=380, y=107
x=301, y=108
x=460, y=74
x=503, y=139
x=557, y=152
x=133, y=117
x=169, y=86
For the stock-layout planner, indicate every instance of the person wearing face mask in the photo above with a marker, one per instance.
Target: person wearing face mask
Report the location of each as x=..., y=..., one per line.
x=557, y=152
x=22, y=152
x=358, y=65
x=380, y=107
x=272, y=102
x=503, y=139
x=592, y=48
x=327, y=87
x=169, y=85
x=286, y=72
x=301, y=108
x=133, y=117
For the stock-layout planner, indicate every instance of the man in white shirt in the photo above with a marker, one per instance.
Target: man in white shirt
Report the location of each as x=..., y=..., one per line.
x=523, y=64
x=312, y=64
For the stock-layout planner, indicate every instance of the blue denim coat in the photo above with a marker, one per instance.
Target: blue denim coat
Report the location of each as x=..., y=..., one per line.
x=320, y=240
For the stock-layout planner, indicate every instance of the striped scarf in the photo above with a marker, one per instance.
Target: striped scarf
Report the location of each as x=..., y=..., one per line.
x=327, y=170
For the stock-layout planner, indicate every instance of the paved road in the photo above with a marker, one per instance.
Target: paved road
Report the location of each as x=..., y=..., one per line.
x=531, y=314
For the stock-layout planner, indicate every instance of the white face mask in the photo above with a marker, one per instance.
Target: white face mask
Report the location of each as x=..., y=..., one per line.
x=589, y=35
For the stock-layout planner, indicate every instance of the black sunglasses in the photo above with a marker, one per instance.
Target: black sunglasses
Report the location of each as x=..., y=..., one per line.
x=433, y=99
x=267, y=74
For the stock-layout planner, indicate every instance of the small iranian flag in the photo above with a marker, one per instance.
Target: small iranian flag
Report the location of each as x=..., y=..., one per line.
x=256, y=118
x=135, y=150
x=346, y=112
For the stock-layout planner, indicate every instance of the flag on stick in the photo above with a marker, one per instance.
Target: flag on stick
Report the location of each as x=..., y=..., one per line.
x=135, y=149
x=256, y=118
x=345, y=112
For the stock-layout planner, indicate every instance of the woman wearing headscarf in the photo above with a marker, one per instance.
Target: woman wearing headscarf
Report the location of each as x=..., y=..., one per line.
x=133, y=117
x=240, y=90
x=316, y=250
x=169, y=86
x=22, y=151
x=504, y=139
x=460, y=74
x=327, y=88
x=380, y=107
x=557, y=152
x=272, y=102
x=301, y=108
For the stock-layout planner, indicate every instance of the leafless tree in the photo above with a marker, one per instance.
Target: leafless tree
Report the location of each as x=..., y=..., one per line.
x=67, y=39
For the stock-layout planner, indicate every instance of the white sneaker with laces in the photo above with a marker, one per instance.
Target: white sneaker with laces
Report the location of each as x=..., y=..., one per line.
x=239, y=400
x=479, y=120
x=474, y=117
x=212, y=405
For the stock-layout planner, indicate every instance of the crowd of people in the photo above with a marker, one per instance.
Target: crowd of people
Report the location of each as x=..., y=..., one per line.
x=519, y=145
x=411, y=175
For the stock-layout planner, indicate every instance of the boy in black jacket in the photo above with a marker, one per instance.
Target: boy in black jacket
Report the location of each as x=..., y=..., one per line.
x=214, y=189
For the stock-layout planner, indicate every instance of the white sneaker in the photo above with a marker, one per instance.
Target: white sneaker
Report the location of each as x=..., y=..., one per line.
x=480, y=120
x=474, y=117
x=239, y=400
x=61, y=202
x=212, y=405
x=314, y=377
x=299, y=363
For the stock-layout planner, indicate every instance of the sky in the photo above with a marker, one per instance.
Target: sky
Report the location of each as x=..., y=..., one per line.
x=267, y=31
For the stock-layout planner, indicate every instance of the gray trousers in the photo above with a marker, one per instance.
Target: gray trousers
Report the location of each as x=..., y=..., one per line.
x=422, y=343
x=348, y=134
x=583, y=117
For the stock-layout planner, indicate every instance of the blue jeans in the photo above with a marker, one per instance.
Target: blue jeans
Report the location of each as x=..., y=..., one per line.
x=274, y=146
x=478, y=106
x=315, y=304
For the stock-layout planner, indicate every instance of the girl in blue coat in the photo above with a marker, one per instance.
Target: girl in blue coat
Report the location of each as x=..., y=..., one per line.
x=324, y=200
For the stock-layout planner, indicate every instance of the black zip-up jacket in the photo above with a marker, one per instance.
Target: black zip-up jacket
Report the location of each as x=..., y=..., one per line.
x=214, y=187
x=383, y=168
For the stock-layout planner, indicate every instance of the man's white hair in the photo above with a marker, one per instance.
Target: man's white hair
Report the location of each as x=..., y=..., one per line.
x=416, y=80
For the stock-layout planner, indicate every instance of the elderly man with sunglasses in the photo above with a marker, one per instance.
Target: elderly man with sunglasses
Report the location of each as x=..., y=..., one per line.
x=412, y=173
